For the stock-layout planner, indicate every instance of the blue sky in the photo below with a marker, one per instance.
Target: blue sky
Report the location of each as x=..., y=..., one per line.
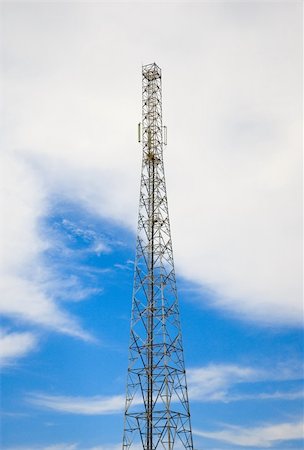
x=71, y=87
x=239, y=374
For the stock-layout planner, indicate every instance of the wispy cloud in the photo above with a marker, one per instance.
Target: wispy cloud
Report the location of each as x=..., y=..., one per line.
x=97, y=243
x=74, y=446
x=261, y=436
x=215, y=382
x=206, y=384
x=212, y=382
x=96, y=405
x=62, y=446
x=70, y=288
x=14, y=346
x=277, y=395
x=27, y=301
x=28, y=287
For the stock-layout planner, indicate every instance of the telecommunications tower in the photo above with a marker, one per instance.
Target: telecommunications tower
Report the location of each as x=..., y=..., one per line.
x=157, y=415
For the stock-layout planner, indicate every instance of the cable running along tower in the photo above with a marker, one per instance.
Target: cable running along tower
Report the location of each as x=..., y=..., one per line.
x=157, y=413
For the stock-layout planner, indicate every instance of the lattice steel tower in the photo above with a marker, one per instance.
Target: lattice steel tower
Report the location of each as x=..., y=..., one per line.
x=157, y=409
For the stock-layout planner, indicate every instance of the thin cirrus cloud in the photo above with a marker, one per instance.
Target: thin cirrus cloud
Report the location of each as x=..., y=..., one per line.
x=214, y=382
x=206, y=384
x=262, y=436
x=96, y=405
x=234, y=156
x=97, y=243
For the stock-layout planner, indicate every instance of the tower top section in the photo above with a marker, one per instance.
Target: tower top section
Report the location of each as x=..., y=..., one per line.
x=151, y=71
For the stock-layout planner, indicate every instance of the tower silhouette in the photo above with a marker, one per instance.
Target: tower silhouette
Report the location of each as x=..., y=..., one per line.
x=157, y=415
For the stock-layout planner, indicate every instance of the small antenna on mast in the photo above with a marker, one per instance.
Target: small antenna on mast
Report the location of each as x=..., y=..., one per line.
x=165, y=135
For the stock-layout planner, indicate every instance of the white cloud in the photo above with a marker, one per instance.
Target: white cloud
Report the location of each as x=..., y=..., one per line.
x=80, y=405
x=234, y=153
x=23, y=203
x=26, y=301
x=206, y=384
x=14, y=346
x=27, y=286
x=135, y=446
x=74, y=447
x=262, y=436
x=211, y=383
x=277, y=395
x=215, y=381
x=61, y=447
x=47, y=447
x=98, y=244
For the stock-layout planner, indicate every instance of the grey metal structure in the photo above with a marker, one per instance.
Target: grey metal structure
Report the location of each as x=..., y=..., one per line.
x=157, y=413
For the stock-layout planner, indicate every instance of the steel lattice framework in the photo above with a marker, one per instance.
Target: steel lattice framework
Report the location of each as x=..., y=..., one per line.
x=157, y=408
